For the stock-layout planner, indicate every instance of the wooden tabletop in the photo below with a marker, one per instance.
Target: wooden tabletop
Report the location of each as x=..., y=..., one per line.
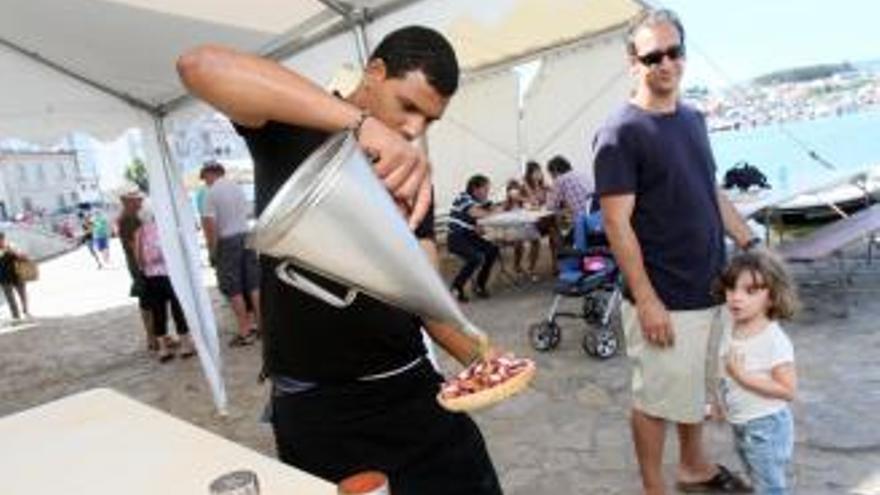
x=100, y=442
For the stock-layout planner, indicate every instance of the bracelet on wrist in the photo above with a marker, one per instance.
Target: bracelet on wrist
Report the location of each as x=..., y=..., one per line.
x=356, y=126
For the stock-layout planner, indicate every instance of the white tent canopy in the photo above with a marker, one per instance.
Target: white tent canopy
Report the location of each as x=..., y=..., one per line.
x=103, y=66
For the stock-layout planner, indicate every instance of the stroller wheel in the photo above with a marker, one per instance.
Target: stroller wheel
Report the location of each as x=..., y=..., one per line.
x=601, y=343
x=545, y=335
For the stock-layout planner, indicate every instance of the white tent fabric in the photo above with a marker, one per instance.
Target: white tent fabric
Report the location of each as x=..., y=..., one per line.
x=103, y=66
x=571, y=97
x=477, y=134
x=39, y=106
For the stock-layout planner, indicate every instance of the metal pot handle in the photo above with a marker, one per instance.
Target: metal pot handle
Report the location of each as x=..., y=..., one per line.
x=288, y=275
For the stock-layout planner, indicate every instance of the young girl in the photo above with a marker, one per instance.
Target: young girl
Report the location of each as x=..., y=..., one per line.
x=534, y=188
x=758, y=377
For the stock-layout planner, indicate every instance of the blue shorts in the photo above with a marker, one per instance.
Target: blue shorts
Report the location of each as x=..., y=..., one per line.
x=101, y=243
x=765, y=446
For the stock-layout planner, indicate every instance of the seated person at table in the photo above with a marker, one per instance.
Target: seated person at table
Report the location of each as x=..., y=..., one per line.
x=466, y=240
x=534, y=187
x=572, y=191
x=517, y=199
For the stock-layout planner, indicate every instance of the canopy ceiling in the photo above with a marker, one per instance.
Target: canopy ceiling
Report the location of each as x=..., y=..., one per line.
x=128, y=47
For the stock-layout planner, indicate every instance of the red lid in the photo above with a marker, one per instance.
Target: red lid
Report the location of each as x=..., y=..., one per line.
x=364, y=483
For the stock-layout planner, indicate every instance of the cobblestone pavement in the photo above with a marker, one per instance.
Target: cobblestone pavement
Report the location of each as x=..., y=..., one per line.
x=569, y=434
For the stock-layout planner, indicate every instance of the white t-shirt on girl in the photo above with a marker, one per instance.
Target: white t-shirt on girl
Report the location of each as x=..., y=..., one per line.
x=762, y=352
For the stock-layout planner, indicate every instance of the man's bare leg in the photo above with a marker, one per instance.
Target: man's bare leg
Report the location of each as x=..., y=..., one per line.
x=241, y=314
x=649, y=434
x=693, y=466
x=255, y=304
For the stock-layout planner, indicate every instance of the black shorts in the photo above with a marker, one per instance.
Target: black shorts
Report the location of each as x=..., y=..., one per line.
x=392, y=425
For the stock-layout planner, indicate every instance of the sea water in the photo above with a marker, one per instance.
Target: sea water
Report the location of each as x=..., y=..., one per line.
x=850, y=143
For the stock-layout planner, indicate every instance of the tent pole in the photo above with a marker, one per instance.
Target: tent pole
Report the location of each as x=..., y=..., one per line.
x=340, y=8
x=171, y=179
x=360, y=38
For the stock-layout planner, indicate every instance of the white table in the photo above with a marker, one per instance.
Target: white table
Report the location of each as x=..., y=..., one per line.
x=514, y=218
x=100, y=442
x=509, y=228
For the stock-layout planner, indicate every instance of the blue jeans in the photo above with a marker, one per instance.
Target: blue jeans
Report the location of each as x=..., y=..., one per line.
x=765, y=446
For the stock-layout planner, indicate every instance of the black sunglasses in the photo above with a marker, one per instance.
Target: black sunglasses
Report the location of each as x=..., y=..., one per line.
x=651, y=59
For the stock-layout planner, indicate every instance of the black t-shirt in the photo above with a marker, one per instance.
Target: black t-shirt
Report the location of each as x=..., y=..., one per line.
x=305, y=338
x=128, y=225
x=666, y=161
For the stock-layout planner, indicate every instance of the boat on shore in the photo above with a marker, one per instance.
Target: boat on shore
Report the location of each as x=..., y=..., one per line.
x=815, y=205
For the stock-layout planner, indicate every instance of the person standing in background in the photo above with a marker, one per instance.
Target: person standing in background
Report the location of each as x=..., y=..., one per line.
x=87, y=237
x=128, y=223
x=224, y=221
x=101, y=235
x=159, y=291
x=10, y=281
x=665, y=219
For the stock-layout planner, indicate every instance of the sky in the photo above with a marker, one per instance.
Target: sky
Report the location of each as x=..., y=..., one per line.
x=730, y=41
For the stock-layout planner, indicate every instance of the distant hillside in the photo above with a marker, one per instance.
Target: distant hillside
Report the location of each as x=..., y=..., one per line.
x=801, y=74
x=869, y=65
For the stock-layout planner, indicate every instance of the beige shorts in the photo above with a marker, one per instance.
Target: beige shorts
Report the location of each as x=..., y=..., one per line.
x=670, y=382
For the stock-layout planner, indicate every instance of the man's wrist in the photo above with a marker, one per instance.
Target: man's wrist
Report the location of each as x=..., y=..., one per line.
x=751, y=243
x=358, y=123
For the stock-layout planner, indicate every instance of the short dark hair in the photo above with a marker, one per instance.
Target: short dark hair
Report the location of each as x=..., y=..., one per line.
x=769, y=272
x=652, y=17
x=476, y=182
x=417, y=48
x=211, y=167
x=558, y=165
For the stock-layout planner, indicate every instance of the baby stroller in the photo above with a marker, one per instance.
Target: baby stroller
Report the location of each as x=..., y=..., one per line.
x=588, y=271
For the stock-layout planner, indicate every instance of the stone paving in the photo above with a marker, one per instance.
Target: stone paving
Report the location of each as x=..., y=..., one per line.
x=569, y=434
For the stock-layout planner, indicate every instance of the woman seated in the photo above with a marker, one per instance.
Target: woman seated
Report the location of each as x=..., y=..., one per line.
x=536, y=192
x=534, y=187
x=466, y=238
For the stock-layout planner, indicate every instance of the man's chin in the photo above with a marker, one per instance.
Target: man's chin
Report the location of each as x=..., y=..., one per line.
x=664, y=89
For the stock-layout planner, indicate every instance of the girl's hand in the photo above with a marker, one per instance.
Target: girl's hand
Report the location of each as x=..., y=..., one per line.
x=735, y=364
x=714, y=412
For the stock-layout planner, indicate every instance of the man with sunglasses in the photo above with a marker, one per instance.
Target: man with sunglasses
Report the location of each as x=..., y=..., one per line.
x=665, y=219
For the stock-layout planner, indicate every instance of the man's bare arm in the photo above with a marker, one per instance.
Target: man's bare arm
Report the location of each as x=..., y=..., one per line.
x=463, y=348
x=617, y=213
x=734, y=224
x=252, y=90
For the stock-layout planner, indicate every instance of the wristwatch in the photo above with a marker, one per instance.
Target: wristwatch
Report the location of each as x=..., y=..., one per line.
x=751, y=244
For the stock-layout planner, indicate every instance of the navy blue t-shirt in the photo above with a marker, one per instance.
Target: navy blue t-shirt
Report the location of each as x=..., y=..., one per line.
x=665, y=160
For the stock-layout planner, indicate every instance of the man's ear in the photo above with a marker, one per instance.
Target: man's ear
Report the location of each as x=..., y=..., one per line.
x=376, y=71
x=634, y=65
